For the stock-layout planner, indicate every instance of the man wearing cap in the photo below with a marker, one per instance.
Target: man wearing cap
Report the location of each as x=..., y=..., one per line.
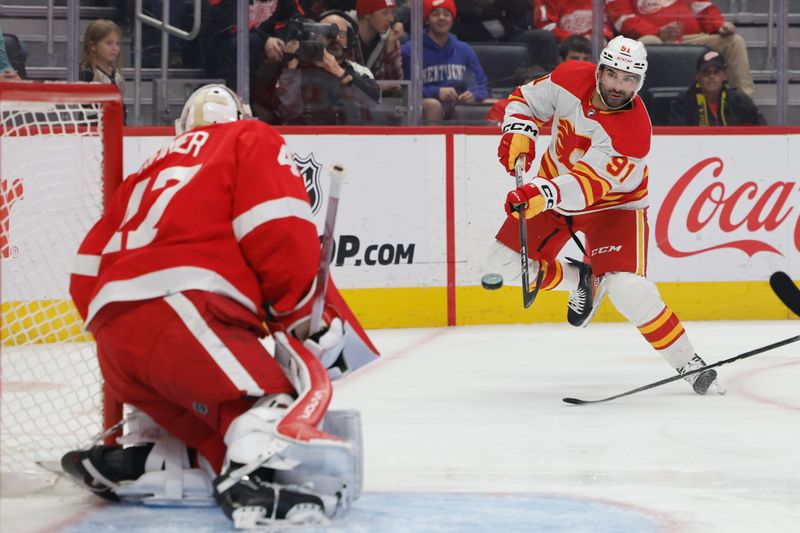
x=379, y=38
x=710, y=102
x=451, y=71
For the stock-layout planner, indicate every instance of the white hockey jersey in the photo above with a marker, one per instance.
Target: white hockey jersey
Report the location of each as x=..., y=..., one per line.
x=596, y=158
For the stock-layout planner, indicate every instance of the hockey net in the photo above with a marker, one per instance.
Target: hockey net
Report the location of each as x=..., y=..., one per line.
x=60, y=156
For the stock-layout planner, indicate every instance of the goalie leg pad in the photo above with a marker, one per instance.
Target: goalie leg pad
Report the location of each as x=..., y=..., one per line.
x=346, y=424
x=324, y=465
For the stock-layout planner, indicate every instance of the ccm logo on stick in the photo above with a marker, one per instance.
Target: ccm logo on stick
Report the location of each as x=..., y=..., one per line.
x=606, y=249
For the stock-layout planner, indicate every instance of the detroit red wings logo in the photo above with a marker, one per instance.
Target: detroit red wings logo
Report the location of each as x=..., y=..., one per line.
x=570, y=146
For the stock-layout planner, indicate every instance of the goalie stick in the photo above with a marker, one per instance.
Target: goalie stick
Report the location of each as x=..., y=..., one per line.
x=786, y=290
x=576, y=401
x=337, y=175
x=528, y=295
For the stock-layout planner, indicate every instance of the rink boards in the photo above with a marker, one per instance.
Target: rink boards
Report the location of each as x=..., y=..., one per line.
x=420, y=205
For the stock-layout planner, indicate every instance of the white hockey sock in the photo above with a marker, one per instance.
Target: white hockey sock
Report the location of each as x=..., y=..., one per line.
x=638, y=299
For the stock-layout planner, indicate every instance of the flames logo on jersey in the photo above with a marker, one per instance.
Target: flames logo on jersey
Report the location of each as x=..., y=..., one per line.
x=310, y=169
x=570, y=146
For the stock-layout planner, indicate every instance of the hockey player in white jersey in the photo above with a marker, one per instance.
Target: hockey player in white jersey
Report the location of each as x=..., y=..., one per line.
x=592, y=179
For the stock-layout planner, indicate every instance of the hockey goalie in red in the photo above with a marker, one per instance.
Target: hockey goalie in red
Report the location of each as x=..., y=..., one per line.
x=592, y=179
x=212, y=236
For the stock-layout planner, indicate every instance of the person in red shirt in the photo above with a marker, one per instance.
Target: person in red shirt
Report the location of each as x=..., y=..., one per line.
x=566, y=17
x=209, y=238
x=688, y=22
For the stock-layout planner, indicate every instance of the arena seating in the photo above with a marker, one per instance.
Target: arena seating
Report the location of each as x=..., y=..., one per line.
x=671, y=69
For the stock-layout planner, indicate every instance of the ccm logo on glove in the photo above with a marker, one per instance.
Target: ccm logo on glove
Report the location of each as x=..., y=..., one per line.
x=531, y=199
x=520, y=127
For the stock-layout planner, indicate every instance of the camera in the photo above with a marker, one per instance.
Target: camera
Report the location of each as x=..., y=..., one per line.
x=311, y=37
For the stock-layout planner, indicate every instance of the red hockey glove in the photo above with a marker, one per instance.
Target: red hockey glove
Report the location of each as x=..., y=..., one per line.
x=530, y=199
x=519, y=138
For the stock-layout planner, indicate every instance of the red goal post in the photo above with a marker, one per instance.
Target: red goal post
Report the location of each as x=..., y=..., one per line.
x=60, y=160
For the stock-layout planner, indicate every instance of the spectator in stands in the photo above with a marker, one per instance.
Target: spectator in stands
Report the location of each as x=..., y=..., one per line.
x=573, y=48
x=688, y=22
x=451, y=72
x=506, y=20
x=378, y=42
x=567, y=17
x=710, y=102
x=219, y=35
x=302, y=89
x=100, y=58
x=7, y=72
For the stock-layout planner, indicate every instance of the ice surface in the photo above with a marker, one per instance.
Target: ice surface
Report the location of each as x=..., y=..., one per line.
x=465, y=430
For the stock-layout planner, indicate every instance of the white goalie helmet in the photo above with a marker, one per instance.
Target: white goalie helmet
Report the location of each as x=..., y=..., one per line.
x=211, y=104
x=625, y=54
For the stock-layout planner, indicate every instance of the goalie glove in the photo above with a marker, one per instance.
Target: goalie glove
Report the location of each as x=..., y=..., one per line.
x=519, y=138
x=531, y=198
x=328, y=346
x=342, y=345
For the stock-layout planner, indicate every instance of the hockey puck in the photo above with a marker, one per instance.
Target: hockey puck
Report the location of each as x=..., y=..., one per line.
x=492, y=281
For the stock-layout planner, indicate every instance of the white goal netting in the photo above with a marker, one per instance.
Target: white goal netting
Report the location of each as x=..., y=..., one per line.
x=53, y=164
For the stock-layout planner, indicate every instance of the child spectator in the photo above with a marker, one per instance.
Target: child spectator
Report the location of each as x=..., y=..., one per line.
x=451, y=72
x=100, y=57
x=378, y=41
x=710, y=102
x=687, y=22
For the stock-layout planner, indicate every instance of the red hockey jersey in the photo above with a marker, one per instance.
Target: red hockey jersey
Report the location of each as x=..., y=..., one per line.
x=221, y=209
x=635, y=18
x=596, y=158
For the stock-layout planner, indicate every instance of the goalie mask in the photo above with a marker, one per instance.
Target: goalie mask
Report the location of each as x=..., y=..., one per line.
x=626, y=55
x=211, y=104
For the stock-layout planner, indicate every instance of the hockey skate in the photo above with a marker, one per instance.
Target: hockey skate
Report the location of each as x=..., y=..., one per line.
x=701, y=381
x=581, y=300
x=254, y=501
x=94, y=468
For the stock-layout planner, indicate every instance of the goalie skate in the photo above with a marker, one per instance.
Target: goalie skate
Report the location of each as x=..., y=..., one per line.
x=256, y=503
x=701, y=381
x=100, y=469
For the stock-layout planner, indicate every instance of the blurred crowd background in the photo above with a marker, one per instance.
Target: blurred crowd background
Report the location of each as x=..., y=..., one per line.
x=408, y=62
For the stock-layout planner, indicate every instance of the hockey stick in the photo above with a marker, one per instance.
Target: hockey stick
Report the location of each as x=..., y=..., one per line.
x=786, y=290
x=528, y=295
x=337, y=175
x=576, y=401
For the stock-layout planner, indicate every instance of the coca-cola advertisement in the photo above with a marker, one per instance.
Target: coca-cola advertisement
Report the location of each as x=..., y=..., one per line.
x=723, y=208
